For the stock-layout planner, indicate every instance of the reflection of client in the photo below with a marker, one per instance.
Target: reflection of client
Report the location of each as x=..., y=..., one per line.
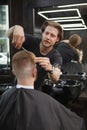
x=23, y=108
x=70, y=53
x=67, y=48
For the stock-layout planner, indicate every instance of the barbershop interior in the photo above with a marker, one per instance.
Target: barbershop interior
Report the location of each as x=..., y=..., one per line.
x=71, y=88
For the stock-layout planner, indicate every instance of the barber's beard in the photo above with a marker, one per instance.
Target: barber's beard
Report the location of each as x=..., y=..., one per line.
x=47, y=44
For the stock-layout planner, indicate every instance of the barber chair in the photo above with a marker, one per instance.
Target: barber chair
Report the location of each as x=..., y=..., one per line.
x=68, y=88
x=4, y=87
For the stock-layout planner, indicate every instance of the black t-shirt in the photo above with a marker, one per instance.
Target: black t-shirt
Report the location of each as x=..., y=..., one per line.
x=32, y=44
x=70, y=59
x=67, y=52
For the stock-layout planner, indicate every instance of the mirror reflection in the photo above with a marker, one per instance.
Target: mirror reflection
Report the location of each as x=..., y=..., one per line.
x=73, y=19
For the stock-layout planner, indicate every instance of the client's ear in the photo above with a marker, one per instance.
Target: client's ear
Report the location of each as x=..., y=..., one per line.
x=34, y=72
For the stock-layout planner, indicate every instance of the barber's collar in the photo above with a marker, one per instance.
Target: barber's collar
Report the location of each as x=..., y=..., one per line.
x=25, y=87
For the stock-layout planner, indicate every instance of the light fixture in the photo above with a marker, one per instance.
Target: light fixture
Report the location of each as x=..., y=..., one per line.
x=70, y=19
x=71, y=5
x=75, y=28
x=72, y=24
x=46, y=14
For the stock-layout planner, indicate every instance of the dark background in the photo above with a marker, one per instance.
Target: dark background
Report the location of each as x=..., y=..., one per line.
x=24, y=12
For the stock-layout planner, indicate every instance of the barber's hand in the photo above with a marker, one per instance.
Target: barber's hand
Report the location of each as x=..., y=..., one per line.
x=18, y=36
x=44, y=62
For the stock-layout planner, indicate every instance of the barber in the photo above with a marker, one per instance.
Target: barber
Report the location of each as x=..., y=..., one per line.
x=48, y=59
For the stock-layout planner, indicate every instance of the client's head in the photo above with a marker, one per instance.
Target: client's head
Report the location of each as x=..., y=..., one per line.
x=24, y=67
x=75, y=40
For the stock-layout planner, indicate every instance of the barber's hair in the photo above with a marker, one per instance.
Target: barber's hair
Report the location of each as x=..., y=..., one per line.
x=55, y=25
x=74, y=40
x=22, y=60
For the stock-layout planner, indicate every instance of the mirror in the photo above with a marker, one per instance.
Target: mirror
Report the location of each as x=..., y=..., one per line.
x=4, y=41
x=73, y=19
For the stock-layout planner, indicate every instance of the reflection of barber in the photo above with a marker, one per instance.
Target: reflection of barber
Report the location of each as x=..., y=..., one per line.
x=48, y=58
x=67, y=48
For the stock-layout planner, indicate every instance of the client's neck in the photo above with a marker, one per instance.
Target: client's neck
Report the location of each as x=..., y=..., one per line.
x=29, y=82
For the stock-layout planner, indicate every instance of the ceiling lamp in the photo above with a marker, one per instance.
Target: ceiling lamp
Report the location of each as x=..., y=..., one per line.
x=60, y=14
x=70, y=19
x=72, y=5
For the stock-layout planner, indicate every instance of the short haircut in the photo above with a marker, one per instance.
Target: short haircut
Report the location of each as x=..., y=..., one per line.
x=22, y=60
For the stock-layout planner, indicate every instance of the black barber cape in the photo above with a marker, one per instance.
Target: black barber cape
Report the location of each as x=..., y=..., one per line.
x=27, y=109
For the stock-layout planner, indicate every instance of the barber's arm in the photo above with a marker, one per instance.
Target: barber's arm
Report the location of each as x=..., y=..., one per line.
x=53, y=71
x=16, y=34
